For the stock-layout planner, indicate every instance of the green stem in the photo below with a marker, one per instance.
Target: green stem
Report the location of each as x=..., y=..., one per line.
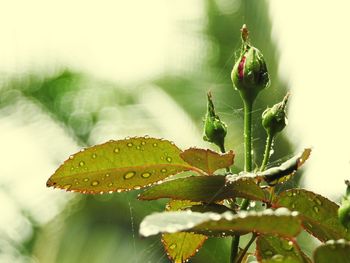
x=267, y=154
x=248, y=106
x=222, y=149
x=244, y=251
x=248, y=167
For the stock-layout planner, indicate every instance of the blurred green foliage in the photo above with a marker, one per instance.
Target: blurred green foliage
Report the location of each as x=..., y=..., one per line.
x=105, y=228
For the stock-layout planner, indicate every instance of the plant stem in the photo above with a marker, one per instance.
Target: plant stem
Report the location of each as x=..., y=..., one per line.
x=248, y=106
x=244, y=251
x=222, y=149
x=267, y=154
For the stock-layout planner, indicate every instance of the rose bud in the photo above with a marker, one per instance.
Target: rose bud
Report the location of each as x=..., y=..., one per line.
x=274, y=119
x=249, y=74
x=215, y=130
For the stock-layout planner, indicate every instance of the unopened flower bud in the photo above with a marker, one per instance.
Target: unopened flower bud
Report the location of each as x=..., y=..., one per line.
x=249, y=74
x=215, y=130
x=274, y=119
x=344, y=209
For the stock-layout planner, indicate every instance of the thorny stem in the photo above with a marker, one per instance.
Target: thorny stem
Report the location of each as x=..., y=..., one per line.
x=267, y=154
x=248, y=106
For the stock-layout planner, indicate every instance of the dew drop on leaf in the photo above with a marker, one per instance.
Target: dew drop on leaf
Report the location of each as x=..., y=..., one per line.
x=318, y=201
x=289, y=194
x=172, y=246
x=93, y=156
x=138, y=147
x=169, y=159
x=116, y=150
x=82, y=163
x=163, y=170
x=145, y=175
x=155, y=144
x=129, y=144
x=137, y=187
x=110, y=184
x=67, y=186
x=95, y=183
x=86, y=179
x=143, y=142
x=129, y=175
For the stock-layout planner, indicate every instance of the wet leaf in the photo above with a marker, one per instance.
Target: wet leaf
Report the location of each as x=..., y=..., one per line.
x=286, y=170
x=268, y=246
x=319, y=214
x=205, y=189
x=333, y=251
x=281, y=222
x=207, y=160
x=183, y=245
x=119, y=166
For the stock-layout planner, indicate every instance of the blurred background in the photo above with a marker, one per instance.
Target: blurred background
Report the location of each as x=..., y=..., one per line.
x=78, y=73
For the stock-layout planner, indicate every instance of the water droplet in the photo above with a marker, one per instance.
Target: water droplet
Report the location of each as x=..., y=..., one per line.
x=169, y=159
x=316, y=209
x=146, y=175
x=129, y=144
x=290, y=193
x=318, y=201
x=71, y=157
x=94, y=183
x=163, y=170
x=278, y=258
x=268, y=253
x=271, y=152
x=172, y=246
x=294, y=193
x=110, y=192
x=116, y=150
x=129, y=175
x=93, y=156
x=67, y=186
x=143, y=142
x=110, y=184
x=287, y=245
x=82, y=163
x=72, y=168
x=86, y=179
x=119, y=190
x=138, y=147
x=107, y=175
x=155, y=144
x=137, y=187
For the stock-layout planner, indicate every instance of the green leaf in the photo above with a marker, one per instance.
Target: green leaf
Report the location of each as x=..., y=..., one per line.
x=333, y=251
x=207, y=189
x=119, y=166
x=286, y=170
x=281, y=222
x=319, y=215
x=207, y=160
x=269, y=246
x=181, y=246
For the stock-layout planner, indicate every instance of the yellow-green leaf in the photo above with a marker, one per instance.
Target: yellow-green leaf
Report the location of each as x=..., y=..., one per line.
x=286, y=170
x=207, y=189
x=333, y=251
x=319, y=214
x=207, y=160
x=270, y=246
x=281, y=222
x=183, y=245
x=119, y=166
